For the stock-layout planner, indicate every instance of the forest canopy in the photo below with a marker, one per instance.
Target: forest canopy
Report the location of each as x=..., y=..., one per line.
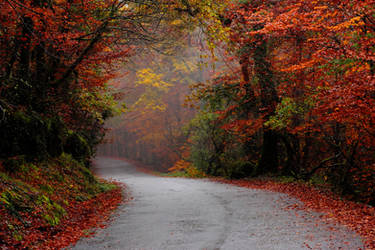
x=281, y=87
x=291, y=94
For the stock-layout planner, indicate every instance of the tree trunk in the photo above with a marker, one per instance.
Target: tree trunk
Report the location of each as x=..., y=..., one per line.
x=269, y=154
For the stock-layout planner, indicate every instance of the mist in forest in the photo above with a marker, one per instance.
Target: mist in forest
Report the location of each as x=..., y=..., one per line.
x=155, y=86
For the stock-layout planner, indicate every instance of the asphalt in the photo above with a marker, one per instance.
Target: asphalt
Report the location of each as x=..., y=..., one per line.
x=177, y=213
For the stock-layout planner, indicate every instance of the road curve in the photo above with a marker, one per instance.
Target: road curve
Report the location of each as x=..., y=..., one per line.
x=176, y=213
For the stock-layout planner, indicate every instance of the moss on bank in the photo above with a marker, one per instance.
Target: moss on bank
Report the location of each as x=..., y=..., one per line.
x=36, y=198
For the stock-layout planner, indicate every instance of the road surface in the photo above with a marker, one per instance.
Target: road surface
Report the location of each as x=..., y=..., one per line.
x=176, y=213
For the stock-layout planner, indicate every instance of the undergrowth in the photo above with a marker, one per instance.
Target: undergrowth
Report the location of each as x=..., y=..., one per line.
x=190, y=172
x=36, y=198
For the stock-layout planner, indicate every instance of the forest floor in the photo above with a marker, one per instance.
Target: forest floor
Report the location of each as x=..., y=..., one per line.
x=182, y=213
x=53, y=204
x=356, y=216
x=318, y=198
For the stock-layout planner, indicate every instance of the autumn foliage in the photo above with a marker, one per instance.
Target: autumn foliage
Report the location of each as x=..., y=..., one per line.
x=292, y=94
x=297, y=98
x=51, y=205
x=151, y=131
x=56, y=58
x=290, y=91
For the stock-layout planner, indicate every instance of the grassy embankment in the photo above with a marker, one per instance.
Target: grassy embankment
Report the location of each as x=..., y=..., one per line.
x=52, y=204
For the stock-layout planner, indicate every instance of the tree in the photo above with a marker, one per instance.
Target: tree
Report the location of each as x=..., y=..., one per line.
x=152, y=128
x=303, y=67
x=57, y=57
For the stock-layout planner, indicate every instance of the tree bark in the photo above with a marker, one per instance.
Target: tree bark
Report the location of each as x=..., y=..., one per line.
x=269, y=154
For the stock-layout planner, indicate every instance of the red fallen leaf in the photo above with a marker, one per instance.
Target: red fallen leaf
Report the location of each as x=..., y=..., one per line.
x=358, y=217
x=80, y=217
x=308, y=246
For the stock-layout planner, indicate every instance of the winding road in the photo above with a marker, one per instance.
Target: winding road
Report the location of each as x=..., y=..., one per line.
x=177, y=213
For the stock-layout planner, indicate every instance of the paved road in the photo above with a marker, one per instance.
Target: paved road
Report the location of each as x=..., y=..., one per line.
x=174, y=213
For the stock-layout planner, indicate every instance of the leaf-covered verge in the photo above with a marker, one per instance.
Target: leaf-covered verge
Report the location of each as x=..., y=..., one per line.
x=314, y=194
x=51, y=204
x=182, y=169
x=356, y=216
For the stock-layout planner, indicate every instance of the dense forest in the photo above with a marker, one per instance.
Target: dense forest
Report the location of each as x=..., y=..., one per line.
x=57, y=59
x=282, y=88
x=232, y=88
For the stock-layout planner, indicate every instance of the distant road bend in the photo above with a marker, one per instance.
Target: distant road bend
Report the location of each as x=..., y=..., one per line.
x=176, y=213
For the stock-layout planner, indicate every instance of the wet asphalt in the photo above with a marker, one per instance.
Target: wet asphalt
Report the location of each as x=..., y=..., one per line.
x=177, y=213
